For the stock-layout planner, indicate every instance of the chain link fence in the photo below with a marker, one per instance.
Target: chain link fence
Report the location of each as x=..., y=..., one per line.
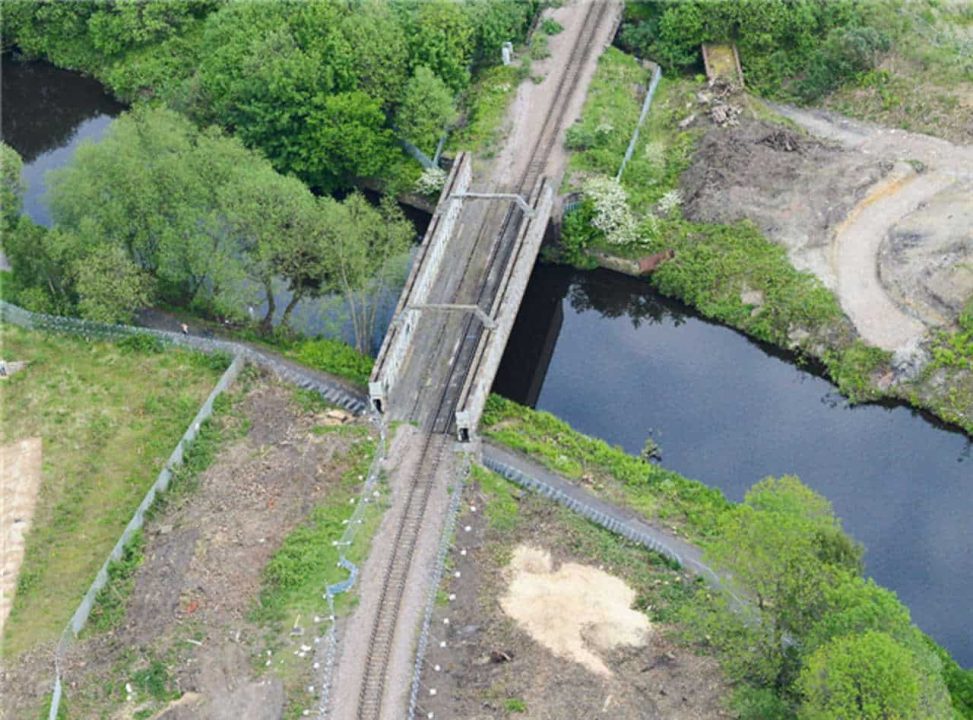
x=445, y=542
x=369, y=494
x=334, y=391
x=77, y=622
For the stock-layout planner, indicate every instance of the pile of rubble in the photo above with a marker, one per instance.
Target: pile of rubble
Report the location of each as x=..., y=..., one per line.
x=717, y=102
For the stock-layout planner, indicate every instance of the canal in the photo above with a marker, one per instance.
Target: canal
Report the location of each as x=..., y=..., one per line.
x=609, y=356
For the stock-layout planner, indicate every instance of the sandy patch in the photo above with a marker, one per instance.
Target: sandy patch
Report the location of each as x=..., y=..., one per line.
x=573, y=611
x=20, y=477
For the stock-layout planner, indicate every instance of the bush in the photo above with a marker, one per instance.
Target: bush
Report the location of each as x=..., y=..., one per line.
x=335, y=357
x=846, y=53
x=142, y=343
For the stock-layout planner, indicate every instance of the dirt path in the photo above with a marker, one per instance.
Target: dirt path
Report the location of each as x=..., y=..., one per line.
x=889, y=308
x=529, y=107
x=855, y=252
x=20, y=479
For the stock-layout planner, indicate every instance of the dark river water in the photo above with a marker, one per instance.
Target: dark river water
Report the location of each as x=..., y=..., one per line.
x=618, y=362
x=44, y=115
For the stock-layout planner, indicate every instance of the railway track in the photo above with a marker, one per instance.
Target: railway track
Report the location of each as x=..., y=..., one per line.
x=438, y=424
x=501, y=246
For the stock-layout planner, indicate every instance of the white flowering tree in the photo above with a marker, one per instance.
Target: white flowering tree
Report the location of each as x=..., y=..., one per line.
x=612, y=216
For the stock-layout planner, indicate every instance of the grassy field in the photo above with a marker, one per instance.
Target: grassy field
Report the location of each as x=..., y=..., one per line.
x=307, y=562
x=925, y=82
x=647, y=488
x=109, y=417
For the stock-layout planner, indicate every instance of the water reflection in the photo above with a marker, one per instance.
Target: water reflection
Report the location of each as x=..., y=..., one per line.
x=45, y=114
x=626, y=364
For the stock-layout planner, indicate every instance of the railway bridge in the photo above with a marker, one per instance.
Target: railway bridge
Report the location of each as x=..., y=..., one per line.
x=437, y=363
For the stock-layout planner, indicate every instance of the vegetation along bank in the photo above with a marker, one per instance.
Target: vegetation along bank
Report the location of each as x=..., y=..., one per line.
x=740, y=203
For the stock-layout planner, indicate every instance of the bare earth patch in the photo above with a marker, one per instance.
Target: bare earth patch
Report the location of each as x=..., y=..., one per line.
x=20, y=477
x=879, y=215
x=580, y=594
x=574, y=610
x=204, y=557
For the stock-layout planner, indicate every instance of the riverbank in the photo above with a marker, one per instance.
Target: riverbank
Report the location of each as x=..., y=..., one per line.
x=684, y=508
x=752, y=205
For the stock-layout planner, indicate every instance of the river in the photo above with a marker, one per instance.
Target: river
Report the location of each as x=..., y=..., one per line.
x=617, y=361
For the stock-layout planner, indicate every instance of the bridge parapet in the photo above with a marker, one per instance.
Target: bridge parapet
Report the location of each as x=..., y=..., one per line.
x=423, y=274
x=506, y=304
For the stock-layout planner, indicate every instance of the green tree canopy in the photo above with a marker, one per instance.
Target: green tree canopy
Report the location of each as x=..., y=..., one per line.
x=110, y=287
x=427, y=109
x=869, y=676
x=11, y=188
x=368, y=245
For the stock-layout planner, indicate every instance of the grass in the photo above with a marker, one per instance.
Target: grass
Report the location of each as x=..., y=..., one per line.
x=221, y=427
x=924, y=82
x=484, y=106
x=647, y=488
x=501, y=508
x=609, y=117
x=109, y=417
x=307, y=561
x=333, y=356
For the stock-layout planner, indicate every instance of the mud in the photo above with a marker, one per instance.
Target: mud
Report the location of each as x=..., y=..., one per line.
x=895, y=245
x=201, y=574
x=926, y=260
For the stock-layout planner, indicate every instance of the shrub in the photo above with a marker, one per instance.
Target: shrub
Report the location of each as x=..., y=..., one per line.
x=335, y=357
x=142, y=343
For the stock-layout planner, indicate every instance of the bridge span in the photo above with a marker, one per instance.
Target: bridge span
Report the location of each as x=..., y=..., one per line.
x=437, y=363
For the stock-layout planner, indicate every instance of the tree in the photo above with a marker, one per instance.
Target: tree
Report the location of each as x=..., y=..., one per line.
x=367, y=246
x=381, y=51
x=869, y=676
x=277, y=222
x=110, y=287
x=496, y=22
x=777, y=549
x=348, y=139
x=153, y=186
x=43, y=262
x=441, y=39
x=427, y=109
x=11, y=189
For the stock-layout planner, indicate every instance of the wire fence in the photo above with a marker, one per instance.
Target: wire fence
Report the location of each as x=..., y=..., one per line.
x=445, y=542
x=369, y=494
x=80, y=618
x=335, y=392
x=653, y=84
x=599, y=517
